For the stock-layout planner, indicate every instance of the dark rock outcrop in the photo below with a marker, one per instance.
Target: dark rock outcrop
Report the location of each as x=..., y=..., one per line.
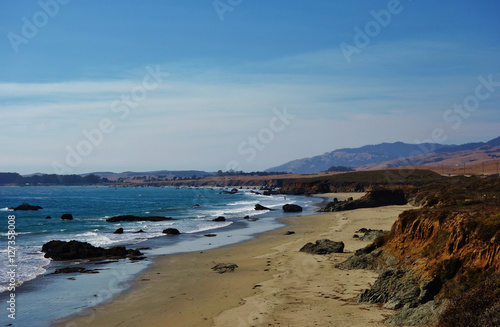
x=26, y=207
x=72, y=250
x=369, y=235
x=48, y=217
x=219, y=219
x=116, y=219
x=290, y=232
x=67, y=216
x=372, y=199
x=224, y=267
x=292, y=208
x=324, y=246
x=171, y=231
x=118, y=231
x=210, y=235
x=260, y=207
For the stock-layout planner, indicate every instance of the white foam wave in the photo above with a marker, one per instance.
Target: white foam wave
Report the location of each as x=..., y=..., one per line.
x=6, y=209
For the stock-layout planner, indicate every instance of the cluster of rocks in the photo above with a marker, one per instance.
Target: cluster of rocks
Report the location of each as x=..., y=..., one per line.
x=369, y=235
x=397, y=288
x=74, y=250
x=286, y=208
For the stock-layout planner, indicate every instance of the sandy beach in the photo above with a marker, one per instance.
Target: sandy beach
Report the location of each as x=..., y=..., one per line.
x=274, y=284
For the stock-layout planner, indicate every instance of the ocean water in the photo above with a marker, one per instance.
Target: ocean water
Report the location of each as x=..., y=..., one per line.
x=45, y=296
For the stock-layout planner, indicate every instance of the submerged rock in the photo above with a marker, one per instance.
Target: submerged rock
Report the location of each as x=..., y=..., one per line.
x=171, y=231
x=26, y=207
x=261, y=207
x=118, y=231
x=67, y=216
x=219, y=219
x=324, y=246
x=121, y=218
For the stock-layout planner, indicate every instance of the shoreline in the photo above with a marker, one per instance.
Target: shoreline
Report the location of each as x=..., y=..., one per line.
x=183, y=288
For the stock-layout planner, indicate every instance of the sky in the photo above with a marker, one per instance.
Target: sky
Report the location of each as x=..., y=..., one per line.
x=120, y=85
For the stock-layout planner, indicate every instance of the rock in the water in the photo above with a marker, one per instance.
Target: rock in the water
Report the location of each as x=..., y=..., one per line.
x=26, y=207
x=67, y=216
x=60, y=250
x=171, y=231
x=140, y=231
x=210, y=235
x=219, y=219
x=118, y=231
x=48, y=217
x=260, y=207
x=116, y=219
x=292, y=208
x=224, y=267
x=324, y=246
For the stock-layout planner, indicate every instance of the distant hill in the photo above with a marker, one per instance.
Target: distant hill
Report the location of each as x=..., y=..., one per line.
x=389, y=155
x=352, y=157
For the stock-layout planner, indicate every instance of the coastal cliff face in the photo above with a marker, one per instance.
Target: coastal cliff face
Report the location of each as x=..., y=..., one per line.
x=449, y=248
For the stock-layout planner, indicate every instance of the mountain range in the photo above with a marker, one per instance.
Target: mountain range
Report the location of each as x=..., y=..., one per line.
x=389, y=155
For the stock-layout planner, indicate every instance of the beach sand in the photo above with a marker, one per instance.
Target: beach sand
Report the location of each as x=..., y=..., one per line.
x=274, y=284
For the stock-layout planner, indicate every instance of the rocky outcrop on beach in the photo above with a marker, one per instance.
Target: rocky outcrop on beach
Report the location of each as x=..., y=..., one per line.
x=292, y=208
x=222, y=268
x=372, y=199
x=434, y=262
x=26, y=207
x=122, y=218
x=74, y=250
x=324, y=246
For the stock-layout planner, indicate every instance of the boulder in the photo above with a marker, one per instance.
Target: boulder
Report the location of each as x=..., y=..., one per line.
x=67, y=216
x=324, y=246
x=210, y=235
x=73, y=250
x=26, y=207
x=121, y=218
x=48, y=217
x=292, y=208
x=118, y=231
x=171, y=231
x=219, y=219
x=290, y=232
x=224, y=267
x=260, y=207
x=139, y=231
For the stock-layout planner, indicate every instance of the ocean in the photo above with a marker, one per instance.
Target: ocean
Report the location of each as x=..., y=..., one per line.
x=43, y=296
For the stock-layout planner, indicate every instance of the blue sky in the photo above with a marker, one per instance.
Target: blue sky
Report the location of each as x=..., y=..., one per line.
x=246, y=85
